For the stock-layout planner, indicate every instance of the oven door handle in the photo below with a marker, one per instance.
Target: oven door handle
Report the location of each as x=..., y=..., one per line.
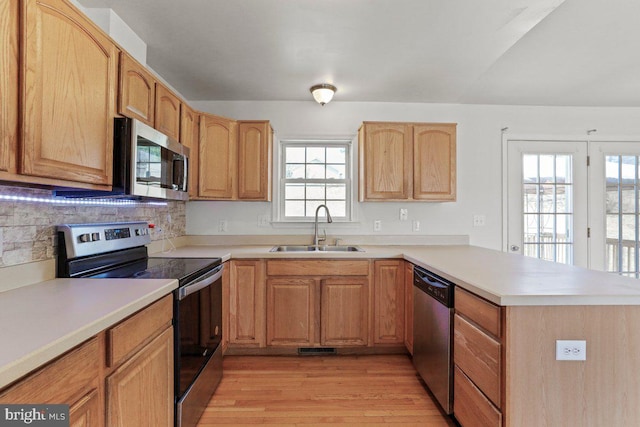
x=205, y=281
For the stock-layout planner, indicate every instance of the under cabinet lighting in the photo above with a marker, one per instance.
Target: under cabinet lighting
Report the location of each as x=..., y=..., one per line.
x=78, y=202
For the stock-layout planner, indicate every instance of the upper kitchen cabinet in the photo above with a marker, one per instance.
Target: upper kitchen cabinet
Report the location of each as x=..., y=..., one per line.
x=137, y=91
x=434, y=161
x=254, y=160
x=385, y=161
x=68, y=94
x=167, y=112
x=217, y=158
x=189, y=135
x=407, y=161
x=234, y=159
x=8, y=84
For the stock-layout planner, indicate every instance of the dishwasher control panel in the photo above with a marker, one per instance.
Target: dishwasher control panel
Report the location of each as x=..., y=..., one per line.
x=435, y=286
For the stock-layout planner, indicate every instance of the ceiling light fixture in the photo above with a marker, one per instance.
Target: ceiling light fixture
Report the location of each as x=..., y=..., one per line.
x=323, y=93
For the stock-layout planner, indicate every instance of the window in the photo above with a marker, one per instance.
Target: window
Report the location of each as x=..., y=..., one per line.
x=315, y=173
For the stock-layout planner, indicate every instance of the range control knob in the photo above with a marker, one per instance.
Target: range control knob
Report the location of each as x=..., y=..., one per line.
x=95, y=236
x=83, y=238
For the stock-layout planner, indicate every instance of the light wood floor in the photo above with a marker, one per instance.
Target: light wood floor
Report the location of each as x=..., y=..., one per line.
x=328, y=390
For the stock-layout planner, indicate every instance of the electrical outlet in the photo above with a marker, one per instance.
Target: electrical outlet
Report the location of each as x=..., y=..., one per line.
x=263, y=220
x=416, y=225
x=169, y=218
x=377, y=225
x=479, y=220
x=571, y=350
x=222, y=226
x=404, y=214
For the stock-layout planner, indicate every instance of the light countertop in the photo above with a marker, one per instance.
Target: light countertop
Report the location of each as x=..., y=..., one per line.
x=503, y=278
x=42, y=321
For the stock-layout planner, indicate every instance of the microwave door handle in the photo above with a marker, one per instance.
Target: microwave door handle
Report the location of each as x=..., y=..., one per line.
x=200, y=284
x=185, y=176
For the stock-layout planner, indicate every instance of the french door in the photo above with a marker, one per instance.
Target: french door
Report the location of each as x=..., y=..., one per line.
x=547, y=199
x=615, y=206
x=560, y=209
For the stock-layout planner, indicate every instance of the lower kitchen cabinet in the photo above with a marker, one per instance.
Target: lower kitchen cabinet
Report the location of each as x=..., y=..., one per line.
x=317, y=303
x=72, y=379
x=291, y=312
x=290, y=303
x=140, y=393
x=345, y=312
x=134, y=387
x=478, y=358
x=389, y=302
x=247, y=304
x=140, y=349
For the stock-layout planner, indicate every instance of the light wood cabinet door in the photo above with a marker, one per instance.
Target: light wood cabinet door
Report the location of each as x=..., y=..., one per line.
x=385, y=161
x=72, y=379
x=189, y=137
x=217, y=158
x=388, y=302
x=470, y=407
x=167, y=112
x=345, y=311
x=8, y=85
x=434, y=162
x=68, y=93
x=408, y=306
x=254, y=160
x=291, y=312
x=247, y=303
x=137, y=91
x=140, y=392
x=87, y=411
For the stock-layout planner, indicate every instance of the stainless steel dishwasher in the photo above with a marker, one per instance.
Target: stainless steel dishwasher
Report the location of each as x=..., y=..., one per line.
x=432, y=334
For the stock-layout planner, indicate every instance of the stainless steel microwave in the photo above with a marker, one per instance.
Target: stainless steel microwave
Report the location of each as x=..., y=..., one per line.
x=146, y=164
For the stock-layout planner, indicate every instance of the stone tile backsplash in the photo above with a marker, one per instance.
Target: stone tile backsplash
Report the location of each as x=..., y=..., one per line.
x=27, y=228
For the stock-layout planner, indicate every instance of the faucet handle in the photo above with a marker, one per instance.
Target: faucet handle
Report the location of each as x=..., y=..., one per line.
x=324, y=237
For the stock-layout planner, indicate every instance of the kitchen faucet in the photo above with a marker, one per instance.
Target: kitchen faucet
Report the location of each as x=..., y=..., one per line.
x=315, y=230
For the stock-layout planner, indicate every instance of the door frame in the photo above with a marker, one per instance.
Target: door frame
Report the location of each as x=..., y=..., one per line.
x=506, y=137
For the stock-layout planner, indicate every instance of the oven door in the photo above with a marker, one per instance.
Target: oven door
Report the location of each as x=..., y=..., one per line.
x=198, y=353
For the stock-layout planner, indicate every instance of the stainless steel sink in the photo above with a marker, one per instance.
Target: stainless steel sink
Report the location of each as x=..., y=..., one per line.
x=312, y=248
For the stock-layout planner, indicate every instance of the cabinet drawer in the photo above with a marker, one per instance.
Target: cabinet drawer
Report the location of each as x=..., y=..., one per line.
x=64, y=380
x=131, y=334
x=485, y=314
x=470, y=407
x=318, y=268
x=478, y=355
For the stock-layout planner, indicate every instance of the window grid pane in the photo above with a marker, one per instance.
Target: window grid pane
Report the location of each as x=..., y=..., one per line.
x=314, y=174
x=548, y=207
x=622, y=214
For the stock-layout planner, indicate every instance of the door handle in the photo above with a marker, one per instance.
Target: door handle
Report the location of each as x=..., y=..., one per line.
x=515, y=248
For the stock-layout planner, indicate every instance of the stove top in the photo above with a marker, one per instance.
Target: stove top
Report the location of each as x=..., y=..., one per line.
x=118, y=250
x=160, y=268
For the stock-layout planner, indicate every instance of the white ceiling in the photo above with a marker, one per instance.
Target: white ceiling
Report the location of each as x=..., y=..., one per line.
x=521, y=52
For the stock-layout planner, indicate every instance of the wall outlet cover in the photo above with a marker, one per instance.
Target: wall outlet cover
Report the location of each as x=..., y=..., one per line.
x=571, y=350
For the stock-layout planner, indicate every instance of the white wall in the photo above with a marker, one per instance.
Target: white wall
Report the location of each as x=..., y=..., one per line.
x=117, y=29
x=479, y=148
